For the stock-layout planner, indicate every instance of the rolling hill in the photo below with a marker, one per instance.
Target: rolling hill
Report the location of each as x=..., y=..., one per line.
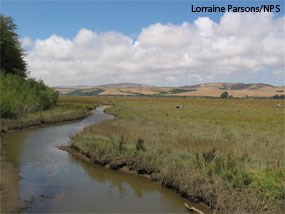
x=239, y=90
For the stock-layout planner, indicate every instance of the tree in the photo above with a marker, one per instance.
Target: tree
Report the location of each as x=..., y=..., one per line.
x=224, y=95
x=11, y=54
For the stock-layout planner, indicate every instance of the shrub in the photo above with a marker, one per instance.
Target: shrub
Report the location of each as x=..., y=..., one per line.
x=224, y=95
x=19, y=96
x=278, y=97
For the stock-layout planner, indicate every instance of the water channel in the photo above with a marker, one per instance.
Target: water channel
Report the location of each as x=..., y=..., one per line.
x=54, y=181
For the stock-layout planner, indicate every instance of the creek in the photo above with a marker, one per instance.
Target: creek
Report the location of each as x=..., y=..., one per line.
x=55, y=181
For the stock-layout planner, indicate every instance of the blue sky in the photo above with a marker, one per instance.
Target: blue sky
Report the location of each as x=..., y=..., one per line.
x=147, y=42
x=40, y=19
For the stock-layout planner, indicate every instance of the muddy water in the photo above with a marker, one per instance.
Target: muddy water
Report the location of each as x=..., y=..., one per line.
x=54, y=181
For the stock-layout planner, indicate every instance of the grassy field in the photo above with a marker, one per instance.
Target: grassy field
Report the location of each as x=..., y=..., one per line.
x=227, y=153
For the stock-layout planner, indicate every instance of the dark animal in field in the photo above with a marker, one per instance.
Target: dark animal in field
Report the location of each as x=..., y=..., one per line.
x=209, y=155
x=279, y=105
x=180, y=106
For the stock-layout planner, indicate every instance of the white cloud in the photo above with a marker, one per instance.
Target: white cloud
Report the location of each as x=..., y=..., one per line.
x=26, y=42
x=206, y=26
x=238, y=48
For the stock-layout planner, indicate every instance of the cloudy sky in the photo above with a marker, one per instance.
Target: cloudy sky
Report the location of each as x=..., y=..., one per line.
x=161, y=43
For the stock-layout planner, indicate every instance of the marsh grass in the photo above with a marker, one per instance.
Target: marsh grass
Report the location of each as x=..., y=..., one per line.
x=227, y=153
x=63, y=111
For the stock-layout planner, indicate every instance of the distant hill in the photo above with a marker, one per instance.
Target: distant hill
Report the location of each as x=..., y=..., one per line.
x=199, y=90
x=231, y=86
x=238, y=86
x=123, y=85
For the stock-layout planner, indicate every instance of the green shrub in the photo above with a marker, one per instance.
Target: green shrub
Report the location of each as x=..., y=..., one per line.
x=224, y=95
x=278, y=96
x=19, y=96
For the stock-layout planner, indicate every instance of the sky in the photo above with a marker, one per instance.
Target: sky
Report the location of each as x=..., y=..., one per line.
x=159, y=43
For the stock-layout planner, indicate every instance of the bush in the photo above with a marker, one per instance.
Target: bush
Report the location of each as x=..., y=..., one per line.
x=224, y=95
x=278, y=97
x=20, y=96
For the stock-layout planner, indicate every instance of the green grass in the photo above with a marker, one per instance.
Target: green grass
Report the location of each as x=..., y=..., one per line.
x=59, y=113
x=227, y=153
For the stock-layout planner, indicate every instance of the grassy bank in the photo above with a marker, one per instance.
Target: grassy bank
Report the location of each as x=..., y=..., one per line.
x=226, y=153
x=60, y=113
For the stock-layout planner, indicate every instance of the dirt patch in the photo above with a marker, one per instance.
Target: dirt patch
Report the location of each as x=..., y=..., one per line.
x=9, y=189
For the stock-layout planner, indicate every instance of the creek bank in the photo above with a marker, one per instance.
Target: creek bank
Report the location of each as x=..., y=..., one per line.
x=41, y=119
x=166, y=168
x=9, y=189
x=121, y=165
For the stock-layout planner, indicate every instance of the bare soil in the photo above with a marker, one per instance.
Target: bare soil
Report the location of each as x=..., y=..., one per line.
x=9, y=189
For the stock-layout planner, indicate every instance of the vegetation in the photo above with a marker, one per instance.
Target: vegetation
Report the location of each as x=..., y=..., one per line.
x=19, y=95
x=281, y=97
x=12, y=56
x=180, y=90
x=174, y=91
x=60, y=113
x=79, y=92
x=224, y=95
x=221, y=152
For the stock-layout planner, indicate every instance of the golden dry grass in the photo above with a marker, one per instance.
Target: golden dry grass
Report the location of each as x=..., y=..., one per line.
x=214, y=91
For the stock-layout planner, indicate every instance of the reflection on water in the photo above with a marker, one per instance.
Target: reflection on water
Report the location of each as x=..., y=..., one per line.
x=12, y=146
x=138, y=192
x=54, y=181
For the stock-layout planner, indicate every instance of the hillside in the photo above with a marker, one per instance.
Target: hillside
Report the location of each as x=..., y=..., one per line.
x=239, y=90
x=123, y=85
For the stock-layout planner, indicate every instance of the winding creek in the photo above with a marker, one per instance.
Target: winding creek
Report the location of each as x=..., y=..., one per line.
x=55, y=181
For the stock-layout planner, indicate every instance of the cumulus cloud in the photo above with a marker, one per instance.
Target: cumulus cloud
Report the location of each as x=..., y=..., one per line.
x=238, y=48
